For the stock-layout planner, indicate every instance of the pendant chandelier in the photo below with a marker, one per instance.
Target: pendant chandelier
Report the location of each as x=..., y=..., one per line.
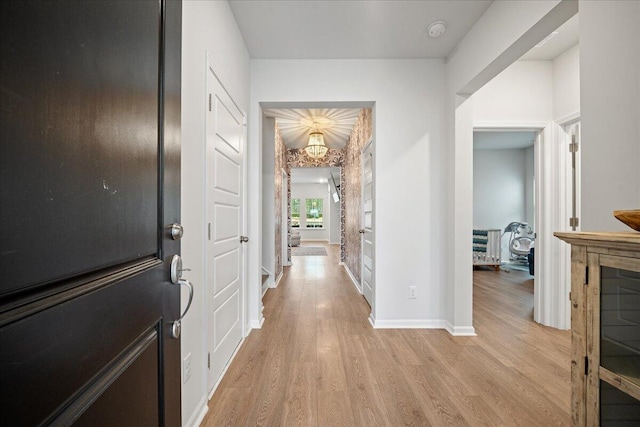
x=316, y=148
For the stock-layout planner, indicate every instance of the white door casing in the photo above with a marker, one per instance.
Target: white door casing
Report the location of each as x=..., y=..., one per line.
x=224, y=253
x=366, y=223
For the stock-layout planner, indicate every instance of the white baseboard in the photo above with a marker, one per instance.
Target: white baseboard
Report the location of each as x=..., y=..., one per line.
x=265, y=287
x=460, y=331
x=198, y=414
x=257, y=324
x=224, y=371
x=277, y=282
x=352, y=277
x=408, y=324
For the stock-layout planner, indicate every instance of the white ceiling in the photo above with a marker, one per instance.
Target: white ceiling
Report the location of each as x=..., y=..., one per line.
x=296, y=124
x=567, y=37
x=502, y=140
x=342, y=29
x=314, y=175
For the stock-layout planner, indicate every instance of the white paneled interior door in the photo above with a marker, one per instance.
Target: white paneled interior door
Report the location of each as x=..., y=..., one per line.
x=225, y=213
x=366, y=228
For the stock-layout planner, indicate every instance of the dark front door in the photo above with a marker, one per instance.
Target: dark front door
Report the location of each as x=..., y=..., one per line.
x=89, y=185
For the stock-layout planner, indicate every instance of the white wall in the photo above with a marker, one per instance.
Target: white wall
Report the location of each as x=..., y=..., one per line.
x=408, y=96
x=268, y=195
x=206, y=26
x=610, y=111
x=313, y=191
x=566, y=84
x=521, y=93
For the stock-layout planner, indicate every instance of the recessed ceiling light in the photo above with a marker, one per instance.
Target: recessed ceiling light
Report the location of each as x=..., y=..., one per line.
x=437, y=28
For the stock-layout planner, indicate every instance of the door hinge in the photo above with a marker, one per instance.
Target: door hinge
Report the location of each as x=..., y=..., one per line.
x=586, y=365
x=209, y=231
x=573, y=145
x=209, y=102
x=586, y=275
x=208, y=360
x=574, y=222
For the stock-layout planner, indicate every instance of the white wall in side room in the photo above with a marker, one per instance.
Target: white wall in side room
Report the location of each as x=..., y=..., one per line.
x=313, y=191
x=566, y=84
x=610, y=111
x=268, y=195
x=206, y=27
x=408, y=113
x=498, y=187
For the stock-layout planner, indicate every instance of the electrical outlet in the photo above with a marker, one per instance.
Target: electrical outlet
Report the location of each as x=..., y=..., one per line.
x=412, y=292
x=186, y=368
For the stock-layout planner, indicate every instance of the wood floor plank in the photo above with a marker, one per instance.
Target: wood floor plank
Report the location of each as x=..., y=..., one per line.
x=318, y=362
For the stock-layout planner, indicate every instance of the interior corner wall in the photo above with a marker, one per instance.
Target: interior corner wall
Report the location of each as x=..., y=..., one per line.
x=566, y=84
x=360, y=136
x=206, y=27
x=269, y=221
x=610, y=111
x=408, y=97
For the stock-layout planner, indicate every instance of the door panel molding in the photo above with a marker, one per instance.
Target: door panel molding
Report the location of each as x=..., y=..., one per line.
x=83, y=285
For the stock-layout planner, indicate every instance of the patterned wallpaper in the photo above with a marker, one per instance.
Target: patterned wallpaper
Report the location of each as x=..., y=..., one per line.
x=360, y=135
x=280, y=163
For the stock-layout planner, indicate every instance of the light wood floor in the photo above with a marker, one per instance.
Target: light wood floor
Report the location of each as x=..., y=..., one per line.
x=317, y=361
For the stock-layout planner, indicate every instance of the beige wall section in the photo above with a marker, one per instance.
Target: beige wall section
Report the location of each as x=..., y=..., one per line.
x=351, y=174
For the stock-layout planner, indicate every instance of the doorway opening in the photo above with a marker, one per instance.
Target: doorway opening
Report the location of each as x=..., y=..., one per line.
x=536, y=98
x=313, y=203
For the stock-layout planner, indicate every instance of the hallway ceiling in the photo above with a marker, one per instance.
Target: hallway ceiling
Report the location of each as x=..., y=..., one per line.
x=343, y=29
x=296, y=124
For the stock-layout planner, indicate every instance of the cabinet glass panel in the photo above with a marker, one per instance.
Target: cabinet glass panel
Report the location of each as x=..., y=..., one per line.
x=617, y=409
x=620, y=322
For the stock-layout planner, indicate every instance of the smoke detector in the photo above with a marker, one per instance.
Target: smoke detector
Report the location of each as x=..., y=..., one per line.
x=437, y=28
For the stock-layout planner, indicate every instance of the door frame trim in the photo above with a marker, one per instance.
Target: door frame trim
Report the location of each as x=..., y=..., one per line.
x=549, y=161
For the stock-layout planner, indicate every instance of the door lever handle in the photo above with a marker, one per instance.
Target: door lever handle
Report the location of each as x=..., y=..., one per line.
x=244, y=239
x=361, y=231
x=177, y=324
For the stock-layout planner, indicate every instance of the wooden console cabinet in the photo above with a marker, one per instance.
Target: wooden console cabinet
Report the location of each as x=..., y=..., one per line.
x=605, y=328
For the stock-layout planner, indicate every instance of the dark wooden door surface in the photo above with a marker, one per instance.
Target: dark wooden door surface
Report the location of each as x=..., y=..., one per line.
x=89, y=183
